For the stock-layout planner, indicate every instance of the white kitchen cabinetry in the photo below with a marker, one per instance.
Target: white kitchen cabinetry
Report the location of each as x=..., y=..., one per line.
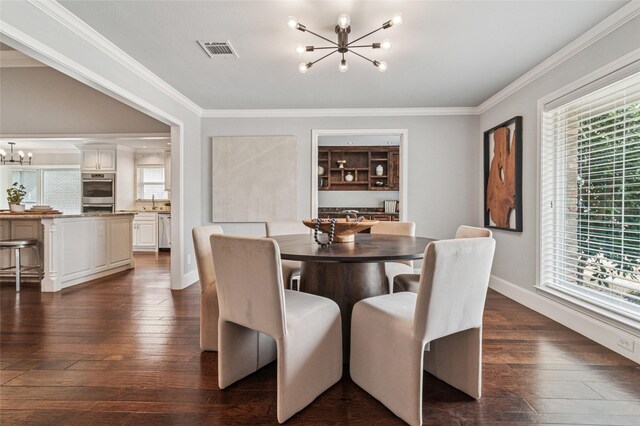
x=74, y=249
x=99, y=160
x=145, y=232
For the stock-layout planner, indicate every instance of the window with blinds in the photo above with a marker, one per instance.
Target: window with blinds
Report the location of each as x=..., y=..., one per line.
x=590, y=197
x=151, y=183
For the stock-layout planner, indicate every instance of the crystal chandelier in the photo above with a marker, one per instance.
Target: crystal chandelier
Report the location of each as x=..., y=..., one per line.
x=343, y=45
x=21, y=157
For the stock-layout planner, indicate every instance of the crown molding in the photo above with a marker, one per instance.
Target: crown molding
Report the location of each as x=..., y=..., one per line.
x=608, y=25
x=336, y=112
x=91, y=36
x=605, y=27
x=15, y=59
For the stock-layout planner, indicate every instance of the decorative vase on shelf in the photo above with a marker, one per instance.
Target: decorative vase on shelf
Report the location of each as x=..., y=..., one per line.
x=348, y=177
x=320, y=170
x=379, y=170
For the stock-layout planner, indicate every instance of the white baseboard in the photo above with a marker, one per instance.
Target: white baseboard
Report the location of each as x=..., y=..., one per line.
x=188, y=279
x=590, y=327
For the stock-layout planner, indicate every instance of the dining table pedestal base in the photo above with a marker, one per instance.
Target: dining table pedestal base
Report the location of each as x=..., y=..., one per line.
x=346, y=284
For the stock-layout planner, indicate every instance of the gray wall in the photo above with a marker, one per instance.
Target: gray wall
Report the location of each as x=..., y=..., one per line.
x=443, y=164
x=44, y=101
x=515, y=259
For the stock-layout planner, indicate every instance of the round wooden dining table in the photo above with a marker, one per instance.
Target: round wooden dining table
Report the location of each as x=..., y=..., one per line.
x=348, y=272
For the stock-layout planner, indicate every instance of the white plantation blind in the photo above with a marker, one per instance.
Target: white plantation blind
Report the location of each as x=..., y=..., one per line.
x=151, y=183
x=590, y=197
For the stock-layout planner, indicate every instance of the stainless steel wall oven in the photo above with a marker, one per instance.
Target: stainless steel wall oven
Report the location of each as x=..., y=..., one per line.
x=98, y=192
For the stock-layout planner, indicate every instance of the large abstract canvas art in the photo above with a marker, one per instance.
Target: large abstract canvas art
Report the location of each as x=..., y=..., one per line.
x=255, y=178
x=503, y=176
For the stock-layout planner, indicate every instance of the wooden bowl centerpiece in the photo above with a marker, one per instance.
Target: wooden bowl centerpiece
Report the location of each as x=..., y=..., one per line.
x=344, y=231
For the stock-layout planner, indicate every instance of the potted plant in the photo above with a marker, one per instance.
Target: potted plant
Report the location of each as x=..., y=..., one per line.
x=15, y=194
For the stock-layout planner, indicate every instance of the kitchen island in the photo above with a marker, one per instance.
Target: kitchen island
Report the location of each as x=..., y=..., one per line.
x=75, y=248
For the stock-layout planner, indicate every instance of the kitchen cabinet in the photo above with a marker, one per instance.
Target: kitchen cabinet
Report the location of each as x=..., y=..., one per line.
x=361, y=168
x=99, y=160
x=74, y=249
x=145, y=232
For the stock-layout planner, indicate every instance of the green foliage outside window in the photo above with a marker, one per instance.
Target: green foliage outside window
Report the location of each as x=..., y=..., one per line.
x=608, y=210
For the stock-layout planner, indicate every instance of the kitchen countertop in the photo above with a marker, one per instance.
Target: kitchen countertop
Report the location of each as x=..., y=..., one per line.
x=33, y=216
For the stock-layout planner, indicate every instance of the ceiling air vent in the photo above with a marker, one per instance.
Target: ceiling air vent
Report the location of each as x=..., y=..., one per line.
x=218, y=49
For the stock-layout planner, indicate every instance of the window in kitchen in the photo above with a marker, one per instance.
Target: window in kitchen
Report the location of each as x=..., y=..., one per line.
x=56, y=187
x=61, y=189
x=28, y=178
x=590, y=198
x=151, y=183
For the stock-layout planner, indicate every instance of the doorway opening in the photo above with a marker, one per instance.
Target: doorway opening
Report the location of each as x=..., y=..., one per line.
x=359, y=169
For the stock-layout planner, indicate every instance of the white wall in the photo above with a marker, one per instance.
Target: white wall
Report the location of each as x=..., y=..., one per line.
x=442, y=166
x=515, y=258
x=54, y=158
x=47, y=32
x=45, y=101
x=125, y=179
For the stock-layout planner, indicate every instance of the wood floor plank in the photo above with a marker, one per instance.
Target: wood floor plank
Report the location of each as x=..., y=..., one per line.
x=125, y=351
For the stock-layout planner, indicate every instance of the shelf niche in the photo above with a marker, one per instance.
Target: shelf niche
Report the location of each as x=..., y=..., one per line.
x=361, y=162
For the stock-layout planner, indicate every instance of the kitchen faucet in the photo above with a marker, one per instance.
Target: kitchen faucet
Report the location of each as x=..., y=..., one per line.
x=153, y=201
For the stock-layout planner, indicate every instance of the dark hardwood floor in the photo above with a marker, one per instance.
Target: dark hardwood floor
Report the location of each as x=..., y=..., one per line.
x=125, y=351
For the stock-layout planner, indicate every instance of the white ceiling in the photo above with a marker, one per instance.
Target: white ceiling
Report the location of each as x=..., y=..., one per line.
x=446, y=54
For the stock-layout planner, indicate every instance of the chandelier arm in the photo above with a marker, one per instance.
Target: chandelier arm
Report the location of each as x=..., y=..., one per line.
x=363, y=57
x=366, y=35
x=362, y=45
x=327, y=47
x=324, y=38
x=325, y=56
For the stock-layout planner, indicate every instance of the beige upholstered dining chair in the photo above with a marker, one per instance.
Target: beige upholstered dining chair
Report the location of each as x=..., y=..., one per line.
x=389, y=332
x=410, y=282
x=307, y=328
x=208, y=290
x=396, y=267
x=290, y=268
x=209, y=311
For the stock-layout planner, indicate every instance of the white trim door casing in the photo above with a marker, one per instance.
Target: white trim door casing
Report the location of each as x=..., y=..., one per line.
x=404, y=161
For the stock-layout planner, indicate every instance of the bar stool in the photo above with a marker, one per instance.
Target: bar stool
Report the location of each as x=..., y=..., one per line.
x=17, y=245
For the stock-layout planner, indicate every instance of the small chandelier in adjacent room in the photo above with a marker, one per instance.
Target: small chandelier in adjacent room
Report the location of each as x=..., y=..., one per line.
x=343, y=45
x=20, y=156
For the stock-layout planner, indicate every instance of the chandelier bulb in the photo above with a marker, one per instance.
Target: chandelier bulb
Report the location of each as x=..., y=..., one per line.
x=343, y=66
x=344, y=21
x=29, y=154
x=386, y=44
x=300, y=49
x=21, y=154
x=303, y=68
x=396, y=19
x=292, y=22
x=3, y=153
x=382, y=65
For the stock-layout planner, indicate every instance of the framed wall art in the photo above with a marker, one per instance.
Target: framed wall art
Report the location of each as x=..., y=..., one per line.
x=503, y=176
x=255, y=178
